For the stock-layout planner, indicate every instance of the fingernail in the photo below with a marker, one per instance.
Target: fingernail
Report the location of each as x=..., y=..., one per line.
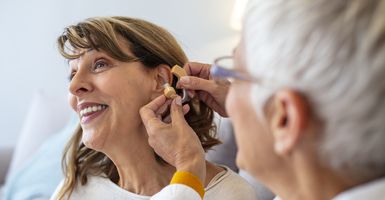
x=178, y=100
x=184, y=80
x=190, y=93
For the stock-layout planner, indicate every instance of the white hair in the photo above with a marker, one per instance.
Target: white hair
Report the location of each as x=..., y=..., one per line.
x=333, y=52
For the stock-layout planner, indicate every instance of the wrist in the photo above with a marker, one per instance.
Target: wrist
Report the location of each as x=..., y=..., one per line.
x=195, y=164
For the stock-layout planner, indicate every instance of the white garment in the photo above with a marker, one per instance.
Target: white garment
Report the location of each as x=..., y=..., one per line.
x=225, y=186
x=373, y=190
x=177, y=192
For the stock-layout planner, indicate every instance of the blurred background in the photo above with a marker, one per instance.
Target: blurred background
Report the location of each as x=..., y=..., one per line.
x=30, y=62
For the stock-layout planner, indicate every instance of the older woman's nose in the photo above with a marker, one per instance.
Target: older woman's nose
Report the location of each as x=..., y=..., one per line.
x=80, y=84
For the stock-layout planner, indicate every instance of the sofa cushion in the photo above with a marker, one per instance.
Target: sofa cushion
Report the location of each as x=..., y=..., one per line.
x=5, y=158
x=47, y=114
x=42, y=172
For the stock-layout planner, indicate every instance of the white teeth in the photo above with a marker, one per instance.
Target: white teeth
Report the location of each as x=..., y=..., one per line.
x=90, y=109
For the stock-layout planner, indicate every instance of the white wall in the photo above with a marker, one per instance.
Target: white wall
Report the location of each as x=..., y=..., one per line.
x=29, y=28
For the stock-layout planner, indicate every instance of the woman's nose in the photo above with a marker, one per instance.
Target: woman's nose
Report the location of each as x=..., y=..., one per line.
x=80, y=84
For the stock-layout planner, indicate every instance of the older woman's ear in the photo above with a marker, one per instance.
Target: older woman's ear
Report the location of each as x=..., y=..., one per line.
x=289, y=119
x=162, y=75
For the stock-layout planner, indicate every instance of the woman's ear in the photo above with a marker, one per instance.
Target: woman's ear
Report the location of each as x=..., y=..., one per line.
x=288, y=120
x=162, y=76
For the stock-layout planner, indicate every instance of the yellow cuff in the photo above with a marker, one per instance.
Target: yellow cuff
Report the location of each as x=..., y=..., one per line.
x=190, y=180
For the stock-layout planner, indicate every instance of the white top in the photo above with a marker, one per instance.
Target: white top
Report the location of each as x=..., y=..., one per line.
x=224, y=186
x=372, y=190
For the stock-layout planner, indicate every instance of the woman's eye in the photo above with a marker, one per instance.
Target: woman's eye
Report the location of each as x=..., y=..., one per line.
x=100, y=64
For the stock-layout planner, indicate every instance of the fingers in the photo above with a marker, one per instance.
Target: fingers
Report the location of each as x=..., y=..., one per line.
x=191, y=93
x=157, y=103
x=186, y=109
x=162, y=110
x=198, y=69
x=195, y=83
x=177, y=114
x=148, y=112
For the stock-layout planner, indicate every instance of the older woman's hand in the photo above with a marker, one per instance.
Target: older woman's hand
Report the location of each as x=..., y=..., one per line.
x=200, y=83
x=176, y=142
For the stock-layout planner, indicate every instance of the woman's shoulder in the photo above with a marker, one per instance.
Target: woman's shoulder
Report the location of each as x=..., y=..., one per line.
x=99, y=187
x=229, y=185
x=92, y=187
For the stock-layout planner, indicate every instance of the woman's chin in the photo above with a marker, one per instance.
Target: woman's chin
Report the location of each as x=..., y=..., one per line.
x=92, y=141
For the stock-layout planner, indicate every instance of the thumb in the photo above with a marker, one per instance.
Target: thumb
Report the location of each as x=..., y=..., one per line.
x=176, y=110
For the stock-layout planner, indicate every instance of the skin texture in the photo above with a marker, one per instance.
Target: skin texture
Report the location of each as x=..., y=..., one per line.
x=103, y=80
x=124, y=88
x=97, y=78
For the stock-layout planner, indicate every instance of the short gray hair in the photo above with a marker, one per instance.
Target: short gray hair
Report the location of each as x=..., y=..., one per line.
x=333, y=52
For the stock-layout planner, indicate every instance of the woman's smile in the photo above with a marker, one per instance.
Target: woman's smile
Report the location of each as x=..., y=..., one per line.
x=90, y=111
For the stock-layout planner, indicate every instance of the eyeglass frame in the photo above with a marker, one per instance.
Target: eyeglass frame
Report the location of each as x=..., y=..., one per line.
x=219, y=72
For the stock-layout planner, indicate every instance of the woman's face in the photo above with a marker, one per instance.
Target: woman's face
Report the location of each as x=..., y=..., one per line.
x=255, y=144
x=107, y=95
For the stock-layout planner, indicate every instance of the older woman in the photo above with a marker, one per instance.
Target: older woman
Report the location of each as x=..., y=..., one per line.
x=307, y=100
x=117, y=65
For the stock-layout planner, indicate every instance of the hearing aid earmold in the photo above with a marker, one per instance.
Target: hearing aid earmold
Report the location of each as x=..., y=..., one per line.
x=169, y=91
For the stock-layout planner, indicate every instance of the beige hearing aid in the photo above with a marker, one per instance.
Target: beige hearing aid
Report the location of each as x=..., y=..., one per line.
x=179, y=72
x=169, y=91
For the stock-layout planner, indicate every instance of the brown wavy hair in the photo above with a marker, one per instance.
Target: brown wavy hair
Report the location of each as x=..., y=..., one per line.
x=151, y=45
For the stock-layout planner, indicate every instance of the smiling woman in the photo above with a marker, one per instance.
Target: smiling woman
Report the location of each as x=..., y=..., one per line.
x=119, y=64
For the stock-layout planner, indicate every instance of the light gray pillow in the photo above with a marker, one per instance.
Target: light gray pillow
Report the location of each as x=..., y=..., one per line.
x=47, y=114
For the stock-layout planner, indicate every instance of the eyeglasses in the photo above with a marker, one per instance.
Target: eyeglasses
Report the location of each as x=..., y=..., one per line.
x=223, y=70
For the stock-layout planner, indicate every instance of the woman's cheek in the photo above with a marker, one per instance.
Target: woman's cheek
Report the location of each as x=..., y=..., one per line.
x=72, y=101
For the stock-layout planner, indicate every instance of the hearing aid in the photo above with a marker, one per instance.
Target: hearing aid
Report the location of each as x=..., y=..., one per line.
x=179, y=72
x=169, y=91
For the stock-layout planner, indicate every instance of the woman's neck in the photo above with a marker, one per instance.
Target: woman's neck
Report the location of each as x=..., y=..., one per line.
x=139, y=172
x=145, y=179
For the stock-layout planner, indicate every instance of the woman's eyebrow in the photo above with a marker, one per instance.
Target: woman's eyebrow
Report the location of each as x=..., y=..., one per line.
x=87, y=51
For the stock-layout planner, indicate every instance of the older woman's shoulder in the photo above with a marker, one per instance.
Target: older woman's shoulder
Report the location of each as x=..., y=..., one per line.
x=229, y=185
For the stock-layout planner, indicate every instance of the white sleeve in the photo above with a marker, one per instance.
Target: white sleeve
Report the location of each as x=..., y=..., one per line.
x=176, y=192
